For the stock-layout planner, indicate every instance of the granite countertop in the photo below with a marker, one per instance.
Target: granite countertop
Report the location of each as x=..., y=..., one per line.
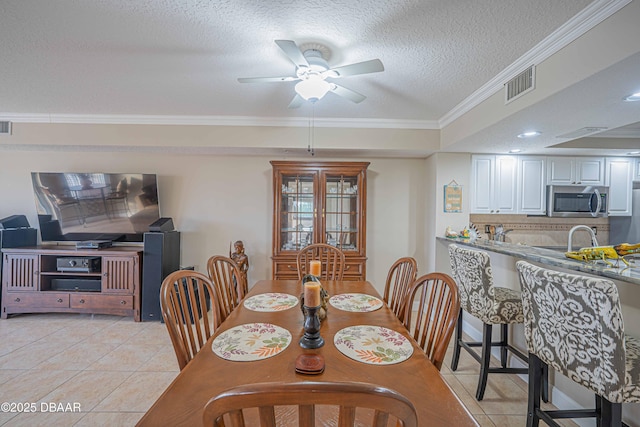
x=555, y=258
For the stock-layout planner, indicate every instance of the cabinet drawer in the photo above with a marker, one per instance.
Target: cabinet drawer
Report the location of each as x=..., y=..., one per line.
x=37, y=300
x=102, y=301
x=285, y=269
x=354, y=271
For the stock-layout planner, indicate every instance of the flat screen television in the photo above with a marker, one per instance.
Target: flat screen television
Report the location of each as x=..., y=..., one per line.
x=95, y=206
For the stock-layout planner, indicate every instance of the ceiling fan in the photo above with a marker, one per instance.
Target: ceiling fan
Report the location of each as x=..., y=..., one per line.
x=312, y=71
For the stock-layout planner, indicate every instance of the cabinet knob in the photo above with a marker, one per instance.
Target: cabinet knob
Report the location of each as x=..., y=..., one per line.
x=105, y=274
x=60, y=300
x=291, y=268
x=81, y=301
x=16, y=300
x=123, y=302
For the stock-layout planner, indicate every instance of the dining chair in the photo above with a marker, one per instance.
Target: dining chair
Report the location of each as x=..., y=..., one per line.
x=66, y=208
x=348, y=401
x=493, y=305
x=574, y=324
x=117, y=202
x=227, y=280
x=436, y=312
x=190, y=312
x=331, y=258
x=401, y=275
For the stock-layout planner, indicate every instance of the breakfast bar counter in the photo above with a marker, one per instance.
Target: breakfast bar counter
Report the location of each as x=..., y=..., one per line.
x=555, y=258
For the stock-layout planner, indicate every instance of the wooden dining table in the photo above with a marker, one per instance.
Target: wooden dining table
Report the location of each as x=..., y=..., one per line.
x=208, y=374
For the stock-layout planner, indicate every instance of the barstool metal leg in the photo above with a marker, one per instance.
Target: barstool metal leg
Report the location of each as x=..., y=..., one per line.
x=535, y=374
x=545, y=382
x=486, y=358
x=504, y=336
x=610, y=413
x=456, y=346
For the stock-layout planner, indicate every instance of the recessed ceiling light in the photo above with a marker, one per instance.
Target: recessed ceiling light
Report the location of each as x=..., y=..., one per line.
x=529, y=134
x=515, y=150
x=633, y=97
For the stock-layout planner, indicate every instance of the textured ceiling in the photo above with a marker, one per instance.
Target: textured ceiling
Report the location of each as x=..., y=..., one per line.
x=182, y=58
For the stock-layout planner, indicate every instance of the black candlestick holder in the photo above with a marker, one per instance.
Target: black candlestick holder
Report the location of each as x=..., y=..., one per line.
x=311, y=337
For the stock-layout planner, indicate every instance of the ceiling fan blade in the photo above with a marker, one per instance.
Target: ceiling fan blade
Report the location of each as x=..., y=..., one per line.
x=372, y=66
x=293, y=52
x=347, y=93
x=267, y=79
x=296, y=102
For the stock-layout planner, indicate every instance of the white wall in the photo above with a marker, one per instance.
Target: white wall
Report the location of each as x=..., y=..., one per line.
x=440, y=170
x=214, y=200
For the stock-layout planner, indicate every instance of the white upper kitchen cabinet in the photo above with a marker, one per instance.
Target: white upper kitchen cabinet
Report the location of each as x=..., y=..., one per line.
x=575, y=170
x=532, y=185
x=619, y=179
x=637, y=175
x=494, y=184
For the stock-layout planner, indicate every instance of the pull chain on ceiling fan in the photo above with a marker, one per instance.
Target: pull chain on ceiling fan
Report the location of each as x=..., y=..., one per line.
x=312, y=71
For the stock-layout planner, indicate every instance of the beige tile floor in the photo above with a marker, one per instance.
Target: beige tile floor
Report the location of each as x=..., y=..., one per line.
x=114, y=369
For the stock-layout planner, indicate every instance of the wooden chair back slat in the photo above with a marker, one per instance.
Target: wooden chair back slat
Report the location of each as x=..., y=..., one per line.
x=436, y=313
x=306, y=415
x=331, y=259
x=306, y=396
x=189, y=309
x=228, y=282
x=401, y=276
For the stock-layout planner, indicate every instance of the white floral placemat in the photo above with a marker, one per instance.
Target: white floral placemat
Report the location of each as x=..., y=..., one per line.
x=374, y=345
x=272, y=301
x=251, y=341
x=355, y=302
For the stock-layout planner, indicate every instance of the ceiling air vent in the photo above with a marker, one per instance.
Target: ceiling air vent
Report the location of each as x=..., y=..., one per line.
x=582, y=132
x=520, y=84
x=5, y=128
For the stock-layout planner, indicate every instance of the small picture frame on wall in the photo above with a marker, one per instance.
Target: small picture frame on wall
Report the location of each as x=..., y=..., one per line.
x=453, y=197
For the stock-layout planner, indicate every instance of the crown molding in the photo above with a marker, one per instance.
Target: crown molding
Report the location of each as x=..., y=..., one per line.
x=218, y=121
x=582, y=22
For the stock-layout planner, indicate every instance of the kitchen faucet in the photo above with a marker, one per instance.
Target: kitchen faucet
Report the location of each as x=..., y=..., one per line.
x=501, y=233
x=594, y=241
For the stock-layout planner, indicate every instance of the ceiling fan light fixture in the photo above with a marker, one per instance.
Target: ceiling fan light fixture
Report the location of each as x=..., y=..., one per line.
x=312, y=89
x=632, y=97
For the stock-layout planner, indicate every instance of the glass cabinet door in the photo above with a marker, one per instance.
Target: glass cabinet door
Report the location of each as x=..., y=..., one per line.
x=298, y=211
x=340, y=212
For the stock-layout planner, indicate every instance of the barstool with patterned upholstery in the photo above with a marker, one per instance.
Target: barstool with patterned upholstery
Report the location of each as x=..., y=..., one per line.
x=491, y=304
x=574, y=324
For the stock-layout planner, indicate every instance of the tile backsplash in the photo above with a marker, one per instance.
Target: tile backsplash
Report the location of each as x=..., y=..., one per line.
x=542, y=230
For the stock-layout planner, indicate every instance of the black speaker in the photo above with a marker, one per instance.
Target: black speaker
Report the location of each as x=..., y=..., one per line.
x=14, y=221
x=15, y=238
x=162, y=224
x=160, y=258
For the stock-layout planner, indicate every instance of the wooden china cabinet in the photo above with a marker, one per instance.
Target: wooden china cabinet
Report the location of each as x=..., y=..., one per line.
x=319, y=202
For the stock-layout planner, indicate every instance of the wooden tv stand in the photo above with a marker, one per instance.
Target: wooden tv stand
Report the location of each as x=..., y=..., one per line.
x=47, y=279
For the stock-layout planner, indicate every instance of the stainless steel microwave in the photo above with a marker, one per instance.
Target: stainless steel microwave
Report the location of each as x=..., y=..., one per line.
x=577, y=201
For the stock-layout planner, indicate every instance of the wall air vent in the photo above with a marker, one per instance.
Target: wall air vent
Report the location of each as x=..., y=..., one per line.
x=520, y=84
x=5, y=128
